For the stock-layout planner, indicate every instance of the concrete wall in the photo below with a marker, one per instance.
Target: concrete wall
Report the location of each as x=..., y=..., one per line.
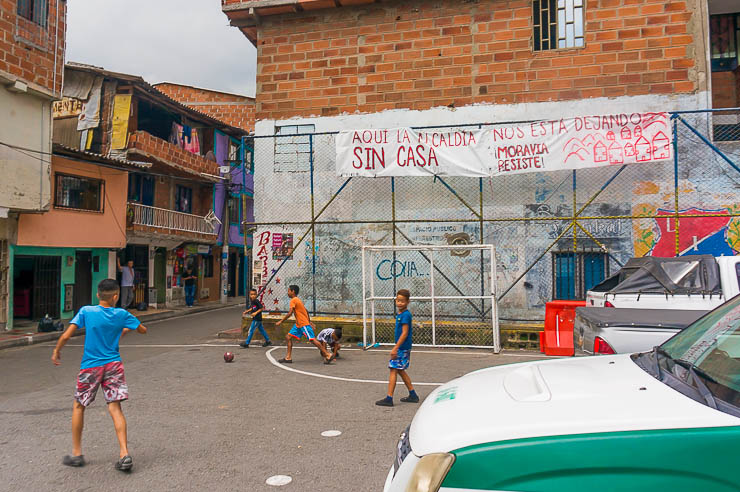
x=25, y=121
x=73, y=228
x=338, y=269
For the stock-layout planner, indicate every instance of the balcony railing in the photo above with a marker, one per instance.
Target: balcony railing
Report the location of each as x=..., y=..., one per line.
x=162, y=218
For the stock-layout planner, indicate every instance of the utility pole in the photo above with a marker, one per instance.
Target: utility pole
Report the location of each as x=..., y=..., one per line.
x=226, y=225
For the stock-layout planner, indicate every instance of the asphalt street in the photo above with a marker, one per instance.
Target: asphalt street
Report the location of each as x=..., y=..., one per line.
x=195, y=422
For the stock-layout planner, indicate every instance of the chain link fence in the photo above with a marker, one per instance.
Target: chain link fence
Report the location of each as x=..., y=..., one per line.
x=555, y=234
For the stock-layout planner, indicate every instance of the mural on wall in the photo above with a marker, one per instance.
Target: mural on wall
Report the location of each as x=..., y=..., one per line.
x=718, y=235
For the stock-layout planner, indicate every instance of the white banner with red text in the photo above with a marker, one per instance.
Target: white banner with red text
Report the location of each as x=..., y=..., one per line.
x=553, y=145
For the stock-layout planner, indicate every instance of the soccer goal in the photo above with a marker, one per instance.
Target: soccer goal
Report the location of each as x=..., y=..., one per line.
x=453, y=294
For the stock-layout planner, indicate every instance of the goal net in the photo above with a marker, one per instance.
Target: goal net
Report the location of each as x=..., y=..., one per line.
x=453, y=298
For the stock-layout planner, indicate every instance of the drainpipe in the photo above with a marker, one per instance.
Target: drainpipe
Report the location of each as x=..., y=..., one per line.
x=226, y=225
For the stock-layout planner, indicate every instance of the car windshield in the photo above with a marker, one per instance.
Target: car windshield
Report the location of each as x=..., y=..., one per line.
x=710, y=347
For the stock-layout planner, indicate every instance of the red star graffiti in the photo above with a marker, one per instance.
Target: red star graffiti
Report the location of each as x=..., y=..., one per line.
x=276, y=301
x=277, y=280
x=269, y=291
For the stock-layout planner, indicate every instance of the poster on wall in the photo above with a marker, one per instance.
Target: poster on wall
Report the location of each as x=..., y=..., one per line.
x=282, y=246
x=554, y=145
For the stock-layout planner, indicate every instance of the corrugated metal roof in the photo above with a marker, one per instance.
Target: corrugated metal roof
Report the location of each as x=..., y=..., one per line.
x=65, y=151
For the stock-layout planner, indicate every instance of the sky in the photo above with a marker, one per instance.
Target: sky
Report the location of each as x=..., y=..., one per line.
x=182, y=41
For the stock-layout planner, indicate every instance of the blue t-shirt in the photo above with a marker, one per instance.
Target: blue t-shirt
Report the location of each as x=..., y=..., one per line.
x=404, y=318
x=103, y=329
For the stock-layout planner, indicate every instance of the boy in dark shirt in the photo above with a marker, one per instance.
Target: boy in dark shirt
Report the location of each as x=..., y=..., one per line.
x=255, y=309
x=401, y=353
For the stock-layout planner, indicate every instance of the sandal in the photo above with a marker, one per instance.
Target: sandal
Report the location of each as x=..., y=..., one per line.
x=125, y=463
x=285, y=361
x=74, y=460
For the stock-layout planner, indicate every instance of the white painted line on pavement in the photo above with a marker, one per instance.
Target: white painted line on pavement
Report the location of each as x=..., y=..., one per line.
x=278, y=480
x=188, y=345
x=272, y=360
x=331, y=433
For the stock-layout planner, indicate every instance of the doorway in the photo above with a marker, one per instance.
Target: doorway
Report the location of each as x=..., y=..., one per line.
x=36, y=286
x=160, y=275
x=83, y=279
x=232, y=275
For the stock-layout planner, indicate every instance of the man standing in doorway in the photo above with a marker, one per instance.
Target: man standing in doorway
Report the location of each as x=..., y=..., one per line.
x=190, y=284
x=127, y=283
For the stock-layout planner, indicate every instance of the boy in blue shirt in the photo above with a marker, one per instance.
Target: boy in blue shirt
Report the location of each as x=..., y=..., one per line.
x=101, y=366
x=401, y=353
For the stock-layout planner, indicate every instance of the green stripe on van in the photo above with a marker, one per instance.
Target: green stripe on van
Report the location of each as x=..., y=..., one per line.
x=704, y=459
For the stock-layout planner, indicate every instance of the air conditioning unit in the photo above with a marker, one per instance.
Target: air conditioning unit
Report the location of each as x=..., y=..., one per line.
x=205, y=293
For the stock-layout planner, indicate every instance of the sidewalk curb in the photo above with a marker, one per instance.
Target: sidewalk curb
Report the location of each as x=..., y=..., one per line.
x=35, y=338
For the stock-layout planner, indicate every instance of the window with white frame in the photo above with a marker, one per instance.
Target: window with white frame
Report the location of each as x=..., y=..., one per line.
x=557, y=24
x=293, y=148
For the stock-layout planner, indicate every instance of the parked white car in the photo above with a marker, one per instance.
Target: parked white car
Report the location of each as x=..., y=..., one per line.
x=698, y=283
x=668, y=419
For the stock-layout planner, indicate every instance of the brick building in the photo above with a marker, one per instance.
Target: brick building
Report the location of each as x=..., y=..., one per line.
x=32, y=46
x=184, y=157
x=328, y=66
x=232, y=109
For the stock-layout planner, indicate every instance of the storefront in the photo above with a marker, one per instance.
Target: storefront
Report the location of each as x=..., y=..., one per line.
x=202, y=259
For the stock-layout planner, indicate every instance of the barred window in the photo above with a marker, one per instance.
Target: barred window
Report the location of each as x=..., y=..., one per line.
x=293, y=152
x=724, y=31
x=574, y=275
x=78, y=193
x=557, y=24
x=184, y=199
x=36, y=11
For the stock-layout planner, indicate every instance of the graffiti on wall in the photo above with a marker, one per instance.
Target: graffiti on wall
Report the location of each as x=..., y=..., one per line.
x=718, y=235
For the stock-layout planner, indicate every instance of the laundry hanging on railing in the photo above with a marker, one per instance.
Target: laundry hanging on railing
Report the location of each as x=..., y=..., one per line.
x=185, y=137
x=552, y=145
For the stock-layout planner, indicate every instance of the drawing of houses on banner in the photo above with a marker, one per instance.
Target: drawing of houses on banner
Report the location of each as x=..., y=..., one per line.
x=661, y=146
x=616, y=153
x=600, y=154
x=643, y=150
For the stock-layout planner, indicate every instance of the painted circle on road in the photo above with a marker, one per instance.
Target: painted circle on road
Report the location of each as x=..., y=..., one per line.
x=278, y=480
x=331, y=433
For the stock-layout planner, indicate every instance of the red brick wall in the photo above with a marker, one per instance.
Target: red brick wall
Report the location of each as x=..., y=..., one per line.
x=27, y=50
x=420, y=54
x=169, y=153
x=232, y=109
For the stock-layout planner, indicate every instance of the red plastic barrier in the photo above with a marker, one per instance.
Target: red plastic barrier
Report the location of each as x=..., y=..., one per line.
x=559, y=319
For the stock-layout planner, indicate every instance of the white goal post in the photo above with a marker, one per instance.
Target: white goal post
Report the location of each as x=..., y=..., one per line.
x=453, y=276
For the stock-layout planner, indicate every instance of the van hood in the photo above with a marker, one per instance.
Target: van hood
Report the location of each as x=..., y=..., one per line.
x=554, y=397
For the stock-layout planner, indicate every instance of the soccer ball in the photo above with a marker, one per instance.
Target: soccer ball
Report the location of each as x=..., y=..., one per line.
x=228, y=357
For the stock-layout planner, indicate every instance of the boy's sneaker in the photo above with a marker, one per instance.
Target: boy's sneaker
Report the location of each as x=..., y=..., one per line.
x=74, y=460
x=125, y=463
x=385, y=402
x=243, y=345
x=410, y=399
x=267, y=343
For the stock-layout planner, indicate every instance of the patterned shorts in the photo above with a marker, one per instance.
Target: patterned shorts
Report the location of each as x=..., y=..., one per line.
x=109, y=376
x=401, y=362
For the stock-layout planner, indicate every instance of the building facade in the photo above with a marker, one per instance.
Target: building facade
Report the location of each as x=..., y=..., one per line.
x=32, y=46
x=171, y=221
x=60, y=256
x=326, y=67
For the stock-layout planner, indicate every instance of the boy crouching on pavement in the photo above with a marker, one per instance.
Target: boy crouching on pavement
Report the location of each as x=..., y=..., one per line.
x=101, y=366
x=329, y=339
